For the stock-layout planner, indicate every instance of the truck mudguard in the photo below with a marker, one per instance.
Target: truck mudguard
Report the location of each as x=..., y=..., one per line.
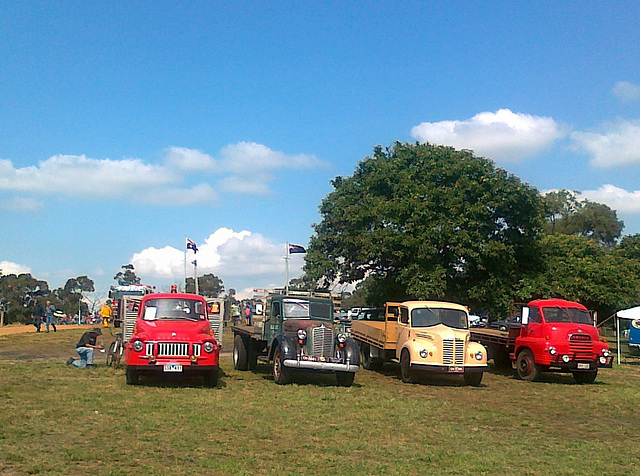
x=287, y=347
x=352, y=351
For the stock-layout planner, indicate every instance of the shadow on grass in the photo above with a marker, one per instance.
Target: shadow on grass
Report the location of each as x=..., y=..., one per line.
x=179, y=381
x=302, y=377
x=424, y=378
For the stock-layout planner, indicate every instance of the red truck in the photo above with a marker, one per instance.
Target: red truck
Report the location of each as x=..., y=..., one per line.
x=552, y=335
x=172, y=335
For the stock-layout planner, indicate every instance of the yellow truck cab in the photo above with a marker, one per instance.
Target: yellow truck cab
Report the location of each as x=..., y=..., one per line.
x=428, y=336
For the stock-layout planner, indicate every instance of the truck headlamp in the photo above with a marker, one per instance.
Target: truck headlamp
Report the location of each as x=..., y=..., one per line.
x=302, y=334
x=138, y=345
x=552, y=350
x=342, y=338
x=566, y=359
x=603, y=360
x=479, y=355
x=423, y=353
x=606, y=352
x=208, y=346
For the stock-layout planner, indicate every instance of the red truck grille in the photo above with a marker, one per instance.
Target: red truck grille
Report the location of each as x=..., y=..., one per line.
x=453, y=351
x=168, y=349
x=580, y=345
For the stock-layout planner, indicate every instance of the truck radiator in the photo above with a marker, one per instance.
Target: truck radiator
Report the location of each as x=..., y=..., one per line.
x=321, y=342
x=580, y=345
x=453, y=351
x=169, y=349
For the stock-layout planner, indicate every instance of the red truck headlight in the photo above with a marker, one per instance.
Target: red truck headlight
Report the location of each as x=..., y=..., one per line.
x=138, y=345
x=208, y=346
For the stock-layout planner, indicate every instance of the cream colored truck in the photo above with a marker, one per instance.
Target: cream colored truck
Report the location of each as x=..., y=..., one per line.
x=427, y=336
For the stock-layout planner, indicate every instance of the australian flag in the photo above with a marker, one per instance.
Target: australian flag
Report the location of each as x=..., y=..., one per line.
x=296, y=249
x=191, y=246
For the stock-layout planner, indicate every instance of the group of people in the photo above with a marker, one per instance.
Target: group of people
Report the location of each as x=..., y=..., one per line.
x=44, y=314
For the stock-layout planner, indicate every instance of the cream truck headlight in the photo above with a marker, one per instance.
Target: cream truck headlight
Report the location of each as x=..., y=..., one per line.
x=423, y=353
x=138, y=345
x=479, y=355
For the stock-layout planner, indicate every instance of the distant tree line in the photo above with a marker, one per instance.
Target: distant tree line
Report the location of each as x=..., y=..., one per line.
x=420, y=221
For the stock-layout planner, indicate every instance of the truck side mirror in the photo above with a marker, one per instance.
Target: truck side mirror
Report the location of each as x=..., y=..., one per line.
x=525, y=316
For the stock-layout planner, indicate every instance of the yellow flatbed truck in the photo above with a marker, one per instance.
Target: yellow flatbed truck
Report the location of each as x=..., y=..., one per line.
x=423, y=336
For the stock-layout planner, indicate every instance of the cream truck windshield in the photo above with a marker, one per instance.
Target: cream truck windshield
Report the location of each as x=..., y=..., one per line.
x=427, y=317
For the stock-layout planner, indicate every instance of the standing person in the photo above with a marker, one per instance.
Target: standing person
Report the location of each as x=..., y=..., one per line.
x=38, y=315
x=235, y=314
x=85, y=349
x=50, y=319
x=247, y=314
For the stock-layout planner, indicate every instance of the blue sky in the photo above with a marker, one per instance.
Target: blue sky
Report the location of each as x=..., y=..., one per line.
x=126, y=126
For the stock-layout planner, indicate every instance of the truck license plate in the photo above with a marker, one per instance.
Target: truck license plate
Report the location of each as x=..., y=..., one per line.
x=456, y=370
x=584, y=366
x=173, y=367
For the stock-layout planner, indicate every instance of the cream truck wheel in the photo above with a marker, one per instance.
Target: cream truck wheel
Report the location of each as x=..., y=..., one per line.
x=405, y=367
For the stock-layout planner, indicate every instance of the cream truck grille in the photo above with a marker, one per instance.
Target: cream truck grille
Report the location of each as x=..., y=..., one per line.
x=321, y=342
x=453, y=351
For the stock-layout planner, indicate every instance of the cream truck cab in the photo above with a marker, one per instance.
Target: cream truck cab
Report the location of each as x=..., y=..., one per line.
x=428, y=336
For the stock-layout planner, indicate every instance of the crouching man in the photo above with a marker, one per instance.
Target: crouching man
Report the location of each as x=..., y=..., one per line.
x=86, y=348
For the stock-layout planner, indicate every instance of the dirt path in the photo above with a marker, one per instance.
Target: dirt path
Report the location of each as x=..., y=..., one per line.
x=30, y=329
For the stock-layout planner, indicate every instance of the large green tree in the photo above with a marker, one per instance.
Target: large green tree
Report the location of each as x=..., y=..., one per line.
x=209, y=285
x=127, y=275
x=568, y=215
x=18, y=295
x=425, y=221
x=70, y=296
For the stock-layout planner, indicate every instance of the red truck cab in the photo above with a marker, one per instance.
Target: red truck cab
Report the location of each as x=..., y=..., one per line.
x=560, y=335
x=171, y=336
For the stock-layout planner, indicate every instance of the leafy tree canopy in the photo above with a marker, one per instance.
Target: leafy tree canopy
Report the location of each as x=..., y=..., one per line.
x=428, y=222
x=208, y=285
x=127, y=275
x=570, y=216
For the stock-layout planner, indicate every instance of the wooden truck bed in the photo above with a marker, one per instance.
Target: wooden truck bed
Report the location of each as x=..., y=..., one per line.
x=495, y=336
x=254, y=332
x=377, y=333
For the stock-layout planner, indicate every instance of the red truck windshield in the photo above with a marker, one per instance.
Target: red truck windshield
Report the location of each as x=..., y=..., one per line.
x=564, y=314
x=173, y=309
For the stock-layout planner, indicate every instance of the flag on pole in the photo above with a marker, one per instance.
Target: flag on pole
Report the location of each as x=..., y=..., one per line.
x=191, y=246
x=296, y=249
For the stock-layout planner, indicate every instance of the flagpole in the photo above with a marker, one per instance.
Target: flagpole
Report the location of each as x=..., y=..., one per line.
x=286, y=268
x=185, y=263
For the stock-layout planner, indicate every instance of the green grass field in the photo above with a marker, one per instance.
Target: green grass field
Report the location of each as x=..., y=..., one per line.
x=56, y=419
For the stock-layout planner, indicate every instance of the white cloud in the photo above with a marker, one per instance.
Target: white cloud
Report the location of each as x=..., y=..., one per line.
x=235, y=257
x=189, y=159
x=502, y=135
x=248, y=157
x=9, y=267
x=618, y=145
x=21, y=204
x=615, y=197
x=626, y=91
x=185, y=177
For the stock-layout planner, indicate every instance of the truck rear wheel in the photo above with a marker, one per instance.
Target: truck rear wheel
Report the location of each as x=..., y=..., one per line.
x=405, y=367
x=368, y=361
x=132, y=376
x=281, y=374
x=345, y=379
x=585, y=377
x=240, y=355
x=526, y=366
x=473, y=378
